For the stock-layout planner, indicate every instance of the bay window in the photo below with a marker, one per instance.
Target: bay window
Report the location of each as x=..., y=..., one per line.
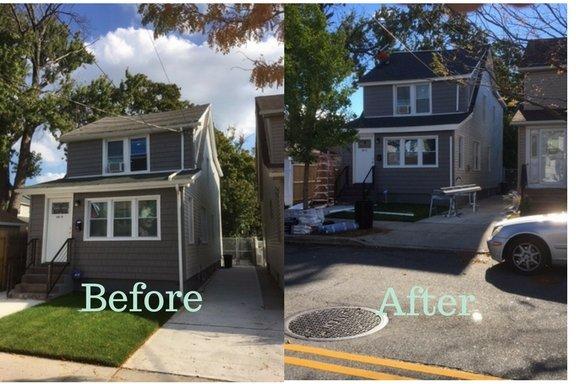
x=412, y=99
x=411, y=152
x=126, y=155
x=123, y=218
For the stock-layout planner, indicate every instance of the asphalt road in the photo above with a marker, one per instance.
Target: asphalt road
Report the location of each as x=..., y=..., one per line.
x=518, y=330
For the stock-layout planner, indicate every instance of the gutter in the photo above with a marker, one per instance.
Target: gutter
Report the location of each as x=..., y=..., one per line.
x=180, y=256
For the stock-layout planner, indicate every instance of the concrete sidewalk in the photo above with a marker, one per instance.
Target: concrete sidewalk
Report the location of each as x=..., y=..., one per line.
x=465, y=233
x=29, y=368
x=236, y=336
x=10, y=306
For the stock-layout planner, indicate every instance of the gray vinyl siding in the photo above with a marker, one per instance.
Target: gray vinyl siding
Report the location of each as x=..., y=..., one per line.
x=84, y=158
x=275, y=128
x=444, y=97
x=412, y=184
x=203, y=193
x=188, y=149
x=483, y=128
x=165, y=149
x=378, y=100
x=36, y=223
x=138, y=260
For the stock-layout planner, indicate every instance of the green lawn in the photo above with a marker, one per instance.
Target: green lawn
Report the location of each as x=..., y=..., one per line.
x=420, y=212
x=57, y=329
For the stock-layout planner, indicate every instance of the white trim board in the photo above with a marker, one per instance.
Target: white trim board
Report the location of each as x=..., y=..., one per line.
x=107, y=188
x=419, y=128
x=392, y=82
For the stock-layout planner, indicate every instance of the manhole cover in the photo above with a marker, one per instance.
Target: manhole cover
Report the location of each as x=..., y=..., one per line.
x=337, y=323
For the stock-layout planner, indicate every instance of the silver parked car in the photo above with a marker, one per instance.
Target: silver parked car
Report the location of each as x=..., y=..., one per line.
x=530, y=243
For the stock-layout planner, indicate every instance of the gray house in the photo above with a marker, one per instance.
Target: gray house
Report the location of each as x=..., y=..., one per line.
x=542, y=121
x=270, y=173
x=421, y=131
x=140, y=202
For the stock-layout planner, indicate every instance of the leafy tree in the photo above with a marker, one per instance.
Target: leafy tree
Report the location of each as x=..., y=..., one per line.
x=239, y=199
x=316, y=93
x=42, y=53
x=226, y=26
x=135, y=95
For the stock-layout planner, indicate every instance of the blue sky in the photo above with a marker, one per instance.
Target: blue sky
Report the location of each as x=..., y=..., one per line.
x=120, y=42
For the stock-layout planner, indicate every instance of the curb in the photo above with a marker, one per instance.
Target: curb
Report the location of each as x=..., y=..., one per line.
x=351, y=242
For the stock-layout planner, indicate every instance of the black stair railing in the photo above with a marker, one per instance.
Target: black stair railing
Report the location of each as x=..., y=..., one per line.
x=367, y=187
x=61, y=260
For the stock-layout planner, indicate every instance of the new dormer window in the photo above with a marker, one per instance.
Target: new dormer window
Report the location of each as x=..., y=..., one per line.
x=126, y=155
x=412, y=99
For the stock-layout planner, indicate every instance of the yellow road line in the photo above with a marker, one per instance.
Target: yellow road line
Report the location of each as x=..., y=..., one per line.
x=415, y=367
x=356, y=372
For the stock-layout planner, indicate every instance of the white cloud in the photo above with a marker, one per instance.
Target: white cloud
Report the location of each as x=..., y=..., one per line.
x=45, y=143
x=47, y=177
x=204, y=75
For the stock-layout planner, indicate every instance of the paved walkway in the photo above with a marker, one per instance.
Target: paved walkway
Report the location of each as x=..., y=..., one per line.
x=28, y=368
x=236, y=336
x=10, y=306
x=467, y=232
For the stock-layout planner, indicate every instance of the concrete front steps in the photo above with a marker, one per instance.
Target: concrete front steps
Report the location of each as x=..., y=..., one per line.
x=34, y=284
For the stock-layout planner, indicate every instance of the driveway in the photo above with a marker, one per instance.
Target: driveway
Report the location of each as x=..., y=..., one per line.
x=518, y=330
x=236, y=336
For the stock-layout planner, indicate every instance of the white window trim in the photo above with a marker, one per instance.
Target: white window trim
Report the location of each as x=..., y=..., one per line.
x=412, y=87
x=402, y=154
x=474, y=156
x=110, y=218
x=461, y=161
x=126, y=153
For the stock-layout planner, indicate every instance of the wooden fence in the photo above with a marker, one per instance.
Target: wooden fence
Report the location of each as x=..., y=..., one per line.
x=12, y=256
x=247, y=249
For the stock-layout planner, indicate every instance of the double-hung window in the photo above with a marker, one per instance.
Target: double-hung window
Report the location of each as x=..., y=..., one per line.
x=126, y=155
x=412, y=99
x=411, y=152
x=460, y=148
x=123, y=218
x=476, y=155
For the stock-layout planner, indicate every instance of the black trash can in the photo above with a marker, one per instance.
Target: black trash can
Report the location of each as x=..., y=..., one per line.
x=227, y=261
x=364, y=214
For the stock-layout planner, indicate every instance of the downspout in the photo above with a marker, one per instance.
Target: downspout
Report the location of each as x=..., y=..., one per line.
x=451, y=164
x=179, y=219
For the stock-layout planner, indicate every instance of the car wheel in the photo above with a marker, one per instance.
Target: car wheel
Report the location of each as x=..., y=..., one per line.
x=527, y=255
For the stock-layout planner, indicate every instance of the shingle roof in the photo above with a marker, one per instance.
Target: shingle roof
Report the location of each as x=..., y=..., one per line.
x=528, y=115
x=152, y=122
x=545, y=52
x=405, y=66
x=408, y=121
x=113, y=180
x=8, y=220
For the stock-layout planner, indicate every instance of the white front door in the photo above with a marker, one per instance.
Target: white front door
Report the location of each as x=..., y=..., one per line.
x=363, y=158
x=547, y=157
x=58, y=226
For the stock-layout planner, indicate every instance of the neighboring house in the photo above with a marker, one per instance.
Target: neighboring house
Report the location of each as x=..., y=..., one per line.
x=270, y=172
x=140, y=201
x=541, y=122
x=24, y=210
x=420, y=131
